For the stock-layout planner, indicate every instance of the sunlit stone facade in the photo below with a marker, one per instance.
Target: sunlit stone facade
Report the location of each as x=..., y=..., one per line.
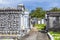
x=13, y=19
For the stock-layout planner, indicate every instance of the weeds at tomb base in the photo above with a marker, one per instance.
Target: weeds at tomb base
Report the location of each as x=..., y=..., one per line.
x=56, y=35
x=40, y=26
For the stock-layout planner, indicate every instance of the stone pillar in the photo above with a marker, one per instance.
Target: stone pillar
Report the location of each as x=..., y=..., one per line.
x=47, y=27
x=22, y=21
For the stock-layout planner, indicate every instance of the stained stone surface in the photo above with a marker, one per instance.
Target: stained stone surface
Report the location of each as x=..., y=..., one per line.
x=9, y=23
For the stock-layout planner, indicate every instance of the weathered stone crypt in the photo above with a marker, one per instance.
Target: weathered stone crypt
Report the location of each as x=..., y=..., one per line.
x=12, y=20
x=53, y=20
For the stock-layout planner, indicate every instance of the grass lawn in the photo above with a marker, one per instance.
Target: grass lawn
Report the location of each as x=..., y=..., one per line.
x=56, y=35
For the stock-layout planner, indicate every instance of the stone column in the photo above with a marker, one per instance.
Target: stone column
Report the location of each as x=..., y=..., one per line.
x=47, y=27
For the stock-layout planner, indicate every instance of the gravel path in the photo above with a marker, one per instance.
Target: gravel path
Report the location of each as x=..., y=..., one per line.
x=31, y=36
x=36, y=36
x=42, y=36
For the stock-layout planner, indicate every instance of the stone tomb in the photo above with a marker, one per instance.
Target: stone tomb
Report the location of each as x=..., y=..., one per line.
x=12, y=22
x=53, y=20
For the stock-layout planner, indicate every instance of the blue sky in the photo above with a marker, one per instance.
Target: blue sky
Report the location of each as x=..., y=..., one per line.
x=31, y=4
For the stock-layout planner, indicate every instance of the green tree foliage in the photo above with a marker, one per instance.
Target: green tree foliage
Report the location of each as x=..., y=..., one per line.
x=37, y=13
x=55, y=9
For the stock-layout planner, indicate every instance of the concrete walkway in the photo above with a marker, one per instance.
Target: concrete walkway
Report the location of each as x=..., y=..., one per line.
x=42, y=36
x=35, y=35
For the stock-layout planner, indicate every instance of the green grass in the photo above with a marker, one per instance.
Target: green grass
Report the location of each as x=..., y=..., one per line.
x=56, y=35
x=40, y=26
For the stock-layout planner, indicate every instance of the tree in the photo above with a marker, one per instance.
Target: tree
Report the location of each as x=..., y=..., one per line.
x=55, y=9
x=38, y=13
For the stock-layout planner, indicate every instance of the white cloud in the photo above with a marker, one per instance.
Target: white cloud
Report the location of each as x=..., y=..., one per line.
x=4, y=2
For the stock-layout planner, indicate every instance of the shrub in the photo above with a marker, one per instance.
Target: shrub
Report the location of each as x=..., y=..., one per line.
x=40, y=26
